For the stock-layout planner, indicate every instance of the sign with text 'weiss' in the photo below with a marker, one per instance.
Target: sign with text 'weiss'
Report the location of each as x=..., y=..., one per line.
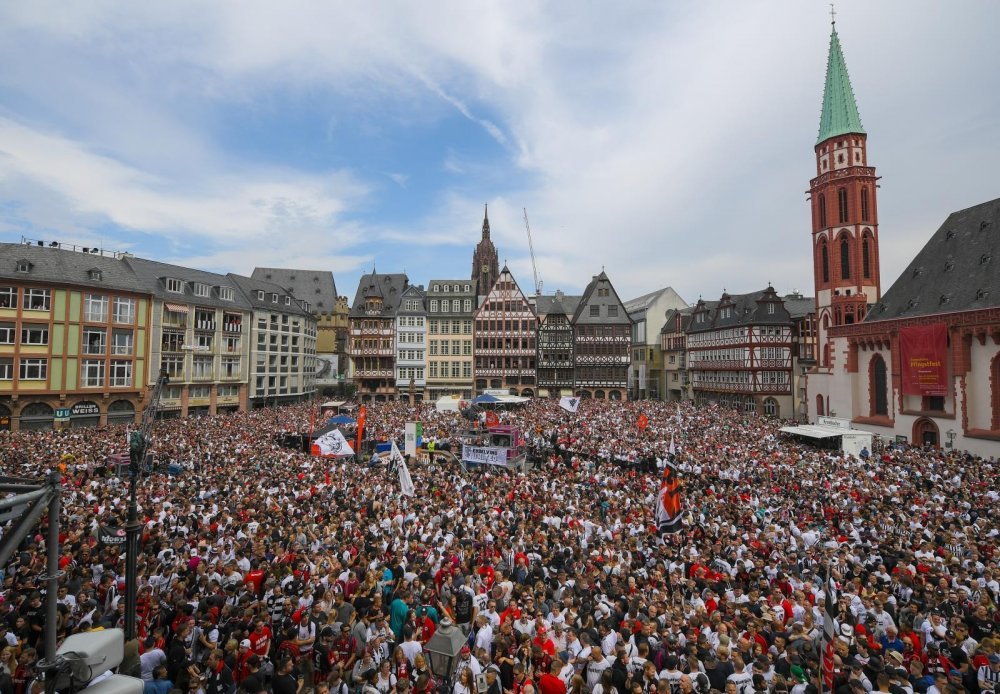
x=484, y=455
x=924, y=359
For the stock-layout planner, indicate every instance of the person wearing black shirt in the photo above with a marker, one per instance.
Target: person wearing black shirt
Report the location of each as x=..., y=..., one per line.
x=287, y=681
x=220, y=677
x=253, y=683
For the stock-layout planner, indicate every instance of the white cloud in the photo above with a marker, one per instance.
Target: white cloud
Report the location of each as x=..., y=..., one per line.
x=669, y=143
x=219, y=207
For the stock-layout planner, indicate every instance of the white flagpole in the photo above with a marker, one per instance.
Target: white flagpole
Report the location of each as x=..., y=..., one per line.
x=406, y=487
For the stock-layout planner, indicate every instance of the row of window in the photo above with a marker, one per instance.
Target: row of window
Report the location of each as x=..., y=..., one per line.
x=410, y=355
x=405, y=373
x=456, y=306
x=454, y=347
x=274, y=361
x=843, y=207
x=410, y=338
x=455, y=327
x=201, y=367
x=92, y=372
x=411, y=321
x=453, y=287
x=449, y=369
x=515, y=306
x=95, y=306
x=176, y=286
x=201, y=392
x=506, y=326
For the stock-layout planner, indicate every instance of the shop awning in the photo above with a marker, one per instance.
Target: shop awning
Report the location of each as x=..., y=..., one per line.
x=813, y=431
x=177, y=308
x=333, y=403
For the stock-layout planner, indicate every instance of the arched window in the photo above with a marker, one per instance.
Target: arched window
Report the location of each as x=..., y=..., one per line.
x=771, y=407
x=842, y=204
x=866, y=259
x=845, y=259
x=825, y=260
x=864, y=205
x=820, y=410
x=822, y=211
x=878, y=388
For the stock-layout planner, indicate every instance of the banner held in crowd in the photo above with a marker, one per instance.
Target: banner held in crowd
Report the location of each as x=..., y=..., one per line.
x=406, y=487
x=668, y=510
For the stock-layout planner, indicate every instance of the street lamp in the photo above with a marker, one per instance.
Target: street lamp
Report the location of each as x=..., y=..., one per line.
x=443, y=649
x=951, y=437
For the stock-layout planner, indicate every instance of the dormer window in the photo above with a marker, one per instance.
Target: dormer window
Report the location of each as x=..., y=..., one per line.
x=226, y=293
x=201, y=289
x=288, y=301
x=260, y=295
x=274, y=298
x=437, y=287
x=23, y=266
x=174, y=285
x=447, y=288
x=726, y=312
x=94, y=274
x=468, y=287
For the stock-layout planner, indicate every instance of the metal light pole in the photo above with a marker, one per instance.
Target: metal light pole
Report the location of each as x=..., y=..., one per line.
x=137, y=446
x=137, y=452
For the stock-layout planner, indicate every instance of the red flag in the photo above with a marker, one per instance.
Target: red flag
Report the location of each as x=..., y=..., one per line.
x=361, y=429
x=492, y=420
x=643, y=422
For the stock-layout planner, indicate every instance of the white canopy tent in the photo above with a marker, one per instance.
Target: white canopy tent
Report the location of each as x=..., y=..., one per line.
x=851, y=440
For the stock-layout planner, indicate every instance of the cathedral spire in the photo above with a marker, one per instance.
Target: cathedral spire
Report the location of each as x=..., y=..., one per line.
x=839, y=115
x=486, y=221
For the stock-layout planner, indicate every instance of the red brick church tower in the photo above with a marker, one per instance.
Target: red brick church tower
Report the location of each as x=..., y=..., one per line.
x=485, y=268
x=844, y=210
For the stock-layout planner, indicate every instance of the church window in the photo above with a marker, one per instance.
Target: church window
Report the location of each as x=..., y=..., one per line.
x=825, y=261
x=822, y=211
x=866, y=263
x=845, y=259
x=864, y=204
x=842, y=204
x=879, y=398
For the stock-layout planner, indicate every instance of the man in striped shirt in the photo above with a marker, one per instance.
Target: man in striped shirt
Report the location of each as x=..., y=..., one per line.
x=989, y=674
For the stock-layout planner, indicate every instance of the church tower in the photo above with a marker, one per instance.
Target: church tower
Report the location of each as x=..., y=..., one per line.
x=844, y=209
x=485, y=268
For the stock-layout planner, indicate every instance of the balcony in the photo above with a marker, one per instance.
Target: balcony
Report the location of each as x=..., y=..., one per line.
x=207, y=326
x=375, y=373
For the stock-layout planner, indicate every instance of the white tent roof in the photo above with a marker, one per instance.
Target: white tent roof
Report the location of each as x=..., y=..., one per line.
x=333, y=403
x=815, y=431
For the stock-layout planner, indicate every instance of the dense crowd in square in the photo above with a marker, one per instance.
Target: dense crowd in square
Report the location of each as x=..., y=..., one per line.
x=265, y=569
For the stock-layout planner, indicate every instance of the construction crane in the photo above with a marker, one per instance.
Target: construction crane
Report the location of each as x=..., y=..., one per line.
x=531, y=248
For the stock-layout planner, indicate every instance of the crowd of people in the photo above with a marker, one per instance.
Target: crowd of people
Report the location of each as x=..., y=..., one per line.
x=265, y=569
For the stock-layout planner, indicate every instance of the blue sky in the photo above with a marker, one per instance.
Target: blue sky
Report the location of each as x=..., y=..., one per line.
x=669, y=143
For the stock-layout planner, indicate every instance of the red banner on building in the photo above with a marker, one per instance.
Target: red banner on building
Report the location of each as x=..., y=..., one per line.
x=923, y=351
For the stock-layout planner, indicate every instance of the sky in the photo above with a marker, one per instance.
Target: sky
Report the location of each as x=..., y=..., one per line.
x=668, y=143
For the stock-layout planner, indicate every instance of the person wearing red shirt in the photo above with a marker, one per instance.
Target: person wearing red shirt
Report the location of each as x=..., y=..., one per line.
x=543, y=641
x=549, y=683
x=260, y=639
x=254, y=580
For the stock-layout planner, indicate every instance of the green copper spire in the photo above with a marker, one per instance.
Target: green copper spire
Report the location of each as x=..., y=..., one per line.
x=840, y=112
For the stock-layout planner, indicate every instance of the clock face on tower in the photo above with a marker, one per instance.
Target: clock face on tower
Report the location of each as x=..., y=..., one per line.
x=486, y=268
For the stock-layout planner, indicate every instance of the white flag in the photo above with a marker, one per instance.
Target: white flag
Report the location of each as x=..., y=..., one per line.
x=569, y=404
x=333, y=444
x=406, y=487
x=679, y=418
x=673, y=448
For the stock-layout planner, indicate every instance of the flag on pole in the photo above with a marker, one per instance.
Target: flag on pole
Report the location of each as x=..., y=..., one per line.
x=492, y=419
x=673, y=449
x=406, y=487
x=569, y=404
x=668, y=509
x=829, y=631
x=642, y=422
x=361, y=428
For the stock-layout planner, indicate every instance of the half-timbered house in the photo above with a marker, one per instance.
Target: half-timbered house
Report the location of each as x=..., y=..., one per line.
x=602, y=331
x=372, y=332
x=555, y=344
x=505, y=332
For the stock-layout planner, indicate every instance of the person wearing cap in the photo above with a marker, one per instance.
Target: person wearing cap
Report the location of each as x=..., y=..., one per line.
x=467, y=662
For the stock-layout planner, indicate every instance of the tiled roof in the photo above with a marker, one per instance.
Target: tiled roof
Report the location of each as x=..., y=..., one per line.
x=957, y=270
x=317, y=287
x=70, y=267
